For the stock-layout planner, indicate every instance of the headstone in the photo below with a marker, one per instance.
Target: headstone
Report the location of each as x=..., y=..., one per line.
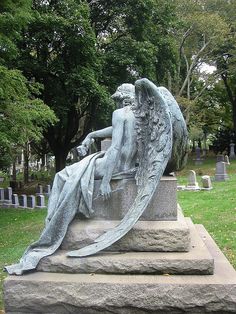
x=23, y=201
x=47, y=189
x=220, y=158
x=192, y=181
x=31, y=201
x=221, y=174
x=7, y=194
x=232, y=151
x=198, y=160
x=39, y=189
x=198, y=152
x=105, y=144
x=1, y=194
x=206, y=183
x=227, y=160
x=40, y=201
x=15, y=201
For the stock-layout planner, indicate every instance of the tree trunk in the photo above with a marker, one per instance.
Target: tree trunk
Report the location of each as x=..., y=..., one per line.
x=26, y=163
x=60, y=159
x=234, y=115
x=232, y=98
x=14, y=170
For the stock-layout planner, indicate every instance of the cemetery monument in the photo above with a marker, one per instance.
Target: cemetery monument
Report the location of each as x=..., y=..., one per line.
x=115, y=212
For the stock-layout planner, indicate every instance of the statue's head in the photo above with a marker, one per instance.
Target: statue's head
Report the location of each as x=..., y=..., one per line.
x=124, y=95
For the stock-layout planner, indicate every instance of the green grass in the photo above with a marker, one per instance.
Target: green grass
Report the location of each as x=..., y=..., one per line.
x=215, y=209
x=19, y=227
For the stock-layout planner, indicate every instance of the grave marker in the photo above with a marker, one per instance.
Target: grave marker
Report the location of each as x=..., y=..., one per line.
x=23, y=201
x=206, y=183
x=221, y=174
x=40, y=201
x=192, y=181
x=31, y=201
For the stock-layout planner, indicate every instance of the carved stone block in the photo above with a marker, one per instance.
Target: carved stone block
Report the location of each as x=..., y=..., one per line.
x=162, y=207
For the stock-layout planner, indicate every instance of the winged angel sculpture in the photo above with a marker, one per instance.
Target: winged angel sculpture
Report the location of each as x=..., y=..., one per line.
x=149, y=137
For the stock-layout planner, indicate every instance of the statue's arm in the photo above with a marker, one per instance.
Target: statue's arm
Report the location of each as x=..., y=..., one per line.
x=84, y=147
x=113, y=152
x=107, y=132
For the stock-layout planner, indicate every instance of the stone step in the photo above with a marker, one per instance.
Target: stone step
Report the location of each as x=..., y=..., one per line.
x=42, y=292
x=164, y=236
x=196, y=261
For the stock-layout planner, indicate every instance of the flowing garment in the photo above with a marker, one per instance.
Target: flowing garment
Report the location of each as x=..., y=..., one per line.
x=72, y=193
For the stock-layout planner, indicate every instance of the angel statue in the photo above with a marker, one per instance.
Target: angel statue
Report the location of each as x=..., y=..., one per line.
x=149, y=137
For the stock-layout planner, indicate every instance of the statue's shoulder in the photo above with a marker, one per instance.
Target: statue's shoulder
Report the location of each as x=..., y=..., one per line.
x=119, y=114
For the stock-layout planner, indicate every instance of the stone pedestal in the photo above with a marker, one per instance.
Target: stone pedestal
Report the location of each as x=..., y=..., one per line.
x=145, y=235
x=162, y=207
x=160, y=266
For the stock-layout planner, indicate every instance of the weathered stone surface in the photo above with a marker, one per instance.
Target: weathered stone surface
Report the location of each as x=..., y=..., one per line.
x=124, y=193
x=127, y=294
x=192, y=181
x=196, y=261
x=206, y=183
x=221, y=174
x=145, y=235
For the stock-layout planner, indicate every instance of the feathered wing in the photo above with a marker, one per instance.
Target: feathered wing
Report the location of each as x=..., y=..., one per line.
x=154, y=138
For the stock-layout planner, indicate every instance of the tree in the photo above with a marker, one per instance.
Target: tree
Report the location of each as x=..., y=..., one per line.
x=225, y=55
x=200, y=31
x=134, y=41
x=58, y=51
x=22, y=115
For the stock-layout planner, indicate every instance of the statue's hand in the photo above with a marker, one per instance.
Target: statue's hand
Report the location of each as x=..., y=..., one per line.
x=105, y=190
x=82, y=150
x=84, y=147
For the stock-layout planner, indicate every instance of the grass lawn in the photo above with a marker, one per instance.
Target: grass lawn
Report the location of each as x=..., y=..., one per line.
x=215, y=209
x=19, y=227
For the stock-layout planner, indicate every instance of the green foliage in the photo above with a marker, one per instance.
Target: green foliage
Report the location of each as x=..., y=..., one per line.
x=58, y=50
x=22, y=116
x=14, y=16
x=134, y=41
x=221, y=140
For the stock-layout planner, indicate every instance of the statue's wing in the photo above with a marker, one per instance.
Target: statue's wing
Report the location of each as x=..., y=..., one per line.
x=154, y=137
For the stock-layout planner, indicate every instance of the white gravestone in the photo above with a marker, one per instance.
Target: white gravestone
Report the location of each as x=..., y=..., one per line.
x=206, y=183
x=227, y=160
x=192, y=181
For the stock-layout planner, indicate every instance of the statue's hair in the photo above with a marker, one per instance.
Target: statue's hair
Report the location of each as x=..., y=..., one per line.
x=125, y=91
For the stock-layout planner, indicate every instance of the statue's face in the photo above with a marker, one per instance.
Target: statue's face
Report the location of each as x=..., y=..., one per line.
x=124, y=95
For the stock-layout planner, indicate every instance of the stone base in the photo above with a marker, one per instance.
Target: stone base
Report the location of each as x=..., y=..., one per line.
x=42, y=292
x=162, y=207
x=196, y=261
x=221, y=177
x=145, y=236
